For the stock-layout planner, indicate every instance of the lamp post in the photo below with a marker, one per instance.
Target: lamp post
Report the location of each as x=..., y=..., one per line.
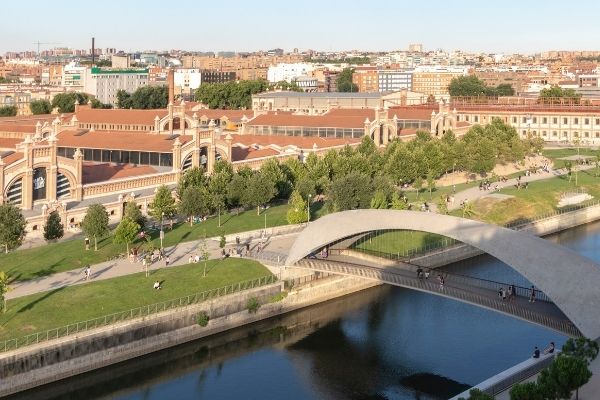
x=162, y=231
x=308, y=209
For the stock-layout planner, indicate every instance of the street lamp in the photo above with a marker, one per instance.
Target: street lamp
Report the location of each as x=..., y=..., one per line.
x=308, y=209
x=162, y=231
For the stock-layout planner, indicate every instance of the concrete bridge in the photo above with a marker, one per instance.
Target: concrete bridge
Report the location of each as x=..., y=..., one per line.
x=570, y=281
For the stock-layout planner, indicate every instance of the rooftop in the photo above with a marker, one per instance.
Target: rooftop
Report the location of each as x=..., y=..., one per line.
x=119, y=140
x=93, y=173
x=324, y=95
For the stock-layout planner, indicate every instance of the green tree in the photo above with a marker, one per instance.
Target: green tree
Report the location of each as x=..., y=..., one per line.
x=204, y=254
x=98, y=104
x=163, y=204
x=305, y=187
x=430, y=182
x=126, y=232
x=195, y=202
x=54, y=227
x=442, y=205
x=526, y=391
x=236, y=190
x=4, y=288
x=147, y=98
x=467, y=209
x=418, y=185
x=66, y=101
x=467, y=86
x=558, y=95
x=298, y=211
x=379, y=200
x=563, y=376
x=40, y=107
x=259, y=190
x=192, y=177
x=12, y=226
x=218, y=186
x=272, y=171
x=344, y=81
x=350, y=192
x=230, y=95
x=398, y=202
x=133, y=211
x=476, y=394
x=95, y=223
x=505, y=89
x=8, y=111
x=123, y=99
x=583, y=348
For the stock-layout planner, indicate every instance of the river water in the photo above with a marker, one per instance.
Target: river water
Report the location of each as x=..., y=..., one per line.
x=383, y=343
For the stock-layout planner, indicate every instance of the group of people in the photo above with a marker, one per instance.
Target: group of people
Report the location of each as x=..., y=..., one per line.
x=487, y=185
x=507, y=294
x=422, y=274
x=521, y=185
x=547, y=350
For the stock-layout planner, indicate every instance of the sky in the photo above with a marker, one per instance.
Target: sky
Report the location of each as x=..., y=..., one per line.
x=509, y=26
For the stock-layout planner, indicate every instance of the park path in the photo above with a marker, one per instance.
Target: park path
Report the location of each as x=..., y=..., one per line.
x=178, y=254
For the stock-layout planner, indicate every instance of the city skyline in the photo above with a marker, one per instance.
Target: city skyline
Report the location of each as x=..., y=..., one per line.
x=519, y=27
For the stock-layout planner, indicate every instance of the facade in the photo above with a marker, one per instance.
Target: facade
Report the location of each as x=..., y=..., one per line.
x=394, y=80
x=187, y=80
x=17, y=98
x=312, y=103
x=288, y=72
x=307, y=83
x=51, y=75
x=74, y=77
x=105, y=83
x=367, y=79
x=121, y=61
x=208, y=76
x=433, y=83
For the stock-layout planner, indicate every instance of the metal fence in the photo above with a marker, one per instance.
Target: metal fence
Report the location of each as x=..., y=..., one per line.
x=519, y=376
x=449, y=289
x=82, y=326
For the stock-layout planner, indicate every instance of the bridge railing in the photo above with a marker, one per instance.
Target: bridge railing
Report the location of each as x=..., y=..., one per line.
x=449, y=289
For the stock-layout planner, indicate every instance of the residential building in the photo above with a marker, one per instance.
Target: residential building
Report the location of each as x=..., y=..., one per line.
x=74, y=77
x=434, y=82
x=212, y=76
x=187, y=80
x=105, y=83
x=288, y=72
x=366, y=78
x=394, y=80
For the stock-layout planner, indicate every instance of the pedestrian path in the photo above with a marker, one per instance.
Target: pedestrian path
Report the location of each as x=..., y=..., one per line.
x=178, y=255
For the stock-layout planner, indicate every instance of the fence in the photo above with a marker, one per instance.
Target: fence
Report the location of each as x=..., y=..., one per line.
x=456, y=292
x=82, y=326
x=518, y=376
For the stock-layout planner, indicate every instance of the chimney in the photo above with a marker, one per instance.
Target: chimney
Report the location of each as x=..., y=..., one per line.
x=171, y=83
x=93, y=52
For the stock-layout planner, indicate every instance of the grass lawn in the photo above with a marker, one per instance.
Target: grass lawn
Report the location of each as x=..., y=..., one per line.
x=540, y=198
x=400, y=242
x=59, y=307
x=555, y=154
x=70, y=254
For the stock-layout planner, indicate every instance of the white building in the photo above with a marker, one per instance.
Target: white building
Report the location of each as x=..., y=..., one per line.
x=187, y=79
x=105, y=83
x=394, y=80
x=288, y=72
x=74, y=77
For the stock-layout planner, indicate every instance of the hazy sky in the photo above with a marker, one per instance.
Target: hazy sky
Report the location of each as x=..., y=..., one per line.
x=474, y=25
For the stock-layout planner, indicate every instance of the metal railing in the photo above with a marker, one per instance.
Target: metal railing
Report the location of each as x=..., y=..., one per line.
x=519, y=376
x=449, y=289
x=143, y=311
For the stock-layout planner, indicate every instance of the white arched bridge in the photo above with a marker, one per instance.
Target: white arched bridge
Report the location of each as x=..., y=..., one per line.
x=568, y=284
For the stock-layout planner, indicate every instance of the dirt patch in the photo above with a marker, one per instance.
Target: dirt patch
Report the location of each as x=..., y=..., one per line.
x=500, y=170
x=505, y=211
x=28, y=328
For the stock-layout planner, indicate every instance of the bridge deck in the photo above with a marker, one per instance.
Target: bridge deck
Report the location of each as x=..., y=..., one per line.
x=470, y=290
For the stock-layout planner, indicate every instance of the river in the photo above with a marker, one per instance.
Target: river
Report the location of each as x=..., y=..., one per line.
x=383, y=343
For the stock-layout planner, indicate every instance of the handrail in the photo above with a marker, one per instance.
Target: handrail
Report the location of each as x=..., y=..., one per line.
x=448, y=290
x=138, y=312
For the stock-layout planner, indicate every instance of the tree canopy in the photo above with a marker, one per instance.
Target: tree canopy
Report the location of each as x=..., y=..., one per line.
x=40, y=107
x=230, y=95
x=163, y=204
x=95, y=223
x=12, y=226
x=557, y=95
x=144, y=98
x=54, y=227
x=66, y=101
x=472, y=86
x=344, y=81
x=8, y=111
x=126, y=232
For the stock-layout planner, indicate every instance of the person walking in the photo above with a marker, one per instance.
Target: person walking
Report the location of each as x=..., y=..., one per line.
x=503, y=294
x=532, y=294
x=167, y=261
x=87, y=243
x=511, y=292
x=536, y=352
x=87, y=272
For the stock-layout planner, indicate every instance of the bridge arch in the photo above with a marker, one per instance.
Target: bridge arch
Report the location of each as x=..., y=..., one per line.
x=570, y=280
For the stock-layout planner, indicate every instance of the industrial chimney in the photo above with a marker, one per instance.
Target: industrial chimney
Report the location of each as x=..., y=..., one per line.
x=93, y=52
x=171, y=83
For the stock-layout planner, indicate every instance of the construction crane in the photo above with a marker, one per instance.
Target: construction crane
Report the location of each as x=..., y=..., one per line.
x=38, y=43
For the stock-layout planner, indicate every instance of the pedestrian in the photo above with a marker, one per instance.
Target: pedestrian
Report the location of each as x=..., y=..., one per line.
x=511, y=292
x=536, y=352
x=87, y=243
x=190, y=259
x=419, y=273
x=237, y=240
x=532, y=294
x=503, y=294
x=157, y=285
x=426, y=274
x=500, y=293
x=453, y=188
x=441, y=280
x=167, y=261
x=196, y=258
x=87, y=272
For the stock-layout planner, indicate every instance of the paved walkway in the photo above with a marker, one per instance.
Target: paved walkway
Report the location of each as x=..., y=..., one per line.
x=178, y=255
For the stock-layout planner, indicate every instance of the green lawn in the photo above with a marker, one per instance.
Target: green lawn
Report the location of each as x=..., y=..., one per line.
x=401, y=242
x=555, y=154
x=59, y=307
x=70, y=254
x=540, y=198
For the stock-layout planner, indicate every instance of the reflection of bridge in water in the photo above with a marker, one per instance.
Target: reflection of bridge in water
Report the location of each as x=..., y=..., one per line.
x=567, y=294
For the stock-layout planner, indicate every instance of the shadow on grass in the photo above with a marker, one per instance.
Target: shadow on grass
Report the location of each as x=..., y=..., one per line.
x=30, y=306
x=48, y=270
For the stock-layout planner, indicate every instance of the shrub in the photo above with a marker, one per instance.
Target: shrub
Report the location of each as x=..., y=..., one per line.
x=202, y=318
x=253, y=305
x=278, y=297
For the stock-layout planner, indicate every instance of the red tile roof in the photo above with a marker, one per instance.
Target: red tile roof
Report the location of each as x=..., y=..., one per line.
x=7, y=160
x=119, y=140
x=9, y=143
x=93, y=173
x=414, y=113
x=302, y=142
x=240, y=153
x=314, y=121
x=232, y=115
x=17, y=128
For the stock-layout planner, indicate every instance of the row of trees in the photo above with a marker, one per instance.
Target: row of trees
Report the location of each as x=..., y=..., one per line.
x=558, y=95
x=472, y=86
x=144, y=98
x=8, y=111
x=344, y=81
x=65, y=102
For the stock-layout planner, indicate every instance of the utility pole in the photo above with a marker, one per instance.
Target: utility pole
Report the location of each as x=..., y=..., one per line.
x=38, y=43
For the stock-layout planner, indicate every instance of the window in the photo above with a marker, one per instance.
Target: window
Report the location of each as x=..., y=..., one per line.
x=514, y=120
x=524, y=132
x=586, y=134
x=565, y=121
x=544, y=134
x=524, y=120
x=554, y=134
x=555, y=120
x=565, y=134
x=597, y=121
x=476, y=118
x=544, y=120
x=576, y=121
x=586, y=121
x=534, y=120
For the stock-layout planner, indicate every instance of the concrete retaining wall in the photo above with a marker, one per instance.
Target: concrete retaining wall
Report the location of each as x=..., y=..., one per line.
x=52, y=361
